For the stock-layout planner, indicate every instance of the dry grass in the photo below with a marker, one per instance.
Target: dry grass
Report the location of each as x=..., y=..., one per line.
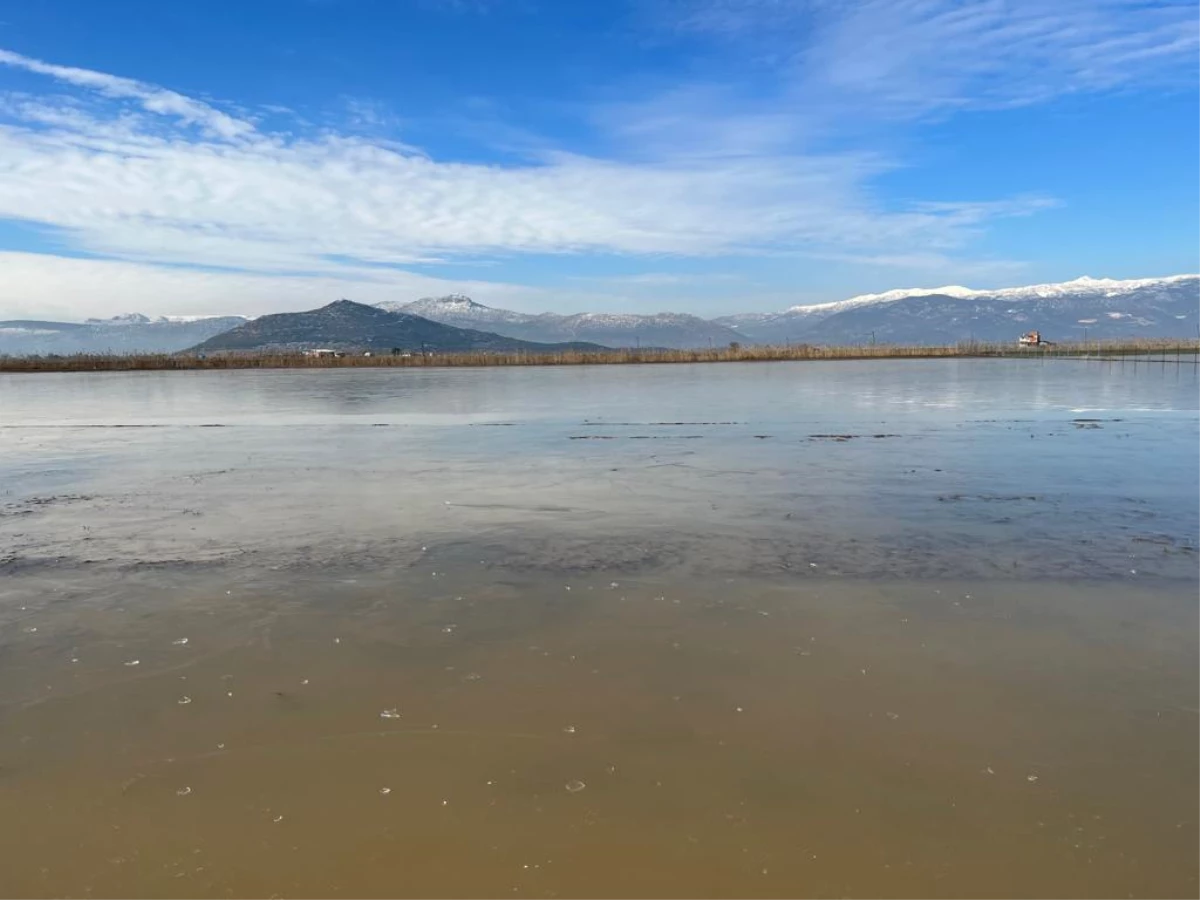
x=186, y=361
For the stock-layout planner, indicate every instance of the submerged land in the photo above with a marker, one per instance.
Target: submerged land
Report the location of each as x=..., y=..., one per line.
x=908, y=628
x=1160, y=349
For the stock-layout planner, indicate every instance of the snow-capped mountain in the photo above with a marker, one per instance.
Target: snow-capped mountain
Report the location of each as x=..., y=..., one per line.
x=1078, y=287
x=458, y=310
x=129, y=333
x=1096, y=307
x=609, y=329
x=123, y=319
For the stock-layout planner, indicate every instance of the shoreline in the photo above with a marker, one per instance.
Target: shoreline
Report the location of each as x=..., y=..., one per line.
x=1184, y=351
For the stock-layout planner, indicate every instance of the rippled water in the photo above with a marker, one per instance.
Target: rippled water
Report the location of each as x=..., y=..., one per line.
x=908, y=628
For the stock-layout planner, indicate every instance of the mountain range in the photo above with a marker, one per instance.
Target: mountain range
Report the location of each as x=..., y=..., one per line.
x=611, y=329
x=1086, y=308
x=346, y=325
x=132, y=333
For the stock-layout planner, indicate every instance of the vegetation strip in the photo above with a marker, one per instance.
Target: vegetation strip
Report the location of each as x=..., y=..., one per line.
x=1111, y=352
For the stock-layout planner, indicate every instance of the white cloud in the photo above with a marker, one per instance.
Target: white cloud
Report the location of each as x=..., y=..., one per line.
x=268, y=203
x=119, y=183
x=149, y=177
x=151, y=98
x=896, y=58
x=42, y=286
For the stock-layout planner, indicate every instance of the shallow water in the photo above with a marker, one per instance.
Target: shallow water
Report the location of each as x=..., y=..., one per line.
x=904, y=628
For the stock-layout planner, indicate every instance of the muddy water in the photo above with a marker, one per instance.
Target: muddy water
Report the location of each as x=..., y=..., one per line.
x=881, y=629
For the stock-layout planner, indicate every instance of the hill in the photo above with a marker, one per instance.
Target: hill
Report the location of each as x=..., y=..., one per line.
x=346, y=325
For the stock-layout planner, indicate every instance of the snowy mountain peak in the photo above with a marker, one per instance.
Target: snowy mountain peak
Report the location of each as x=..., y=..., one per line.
x=451, y=300
x=188, y=319
x=949, y=290
x=431, y=307
x=129, y=319
x=1082, y=285
x=126, y=319
x=1086, y=283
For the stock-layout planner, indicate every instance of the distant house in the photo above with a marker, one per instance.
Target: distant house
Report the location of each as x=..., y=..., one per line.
x=321, y=351
x=1032, y=339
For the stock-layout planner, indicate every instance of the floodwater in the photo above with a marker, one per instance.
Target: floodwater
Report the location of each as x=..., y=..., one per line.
x=907, y=628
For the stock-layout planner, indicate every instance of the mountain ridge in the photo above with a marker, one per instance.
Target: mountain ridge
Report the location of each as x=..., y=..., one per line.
x=1024, y=292
x=664, y=329
x=1072, y=310
x=346, y=325
x=131, y=333
x=1167, y=306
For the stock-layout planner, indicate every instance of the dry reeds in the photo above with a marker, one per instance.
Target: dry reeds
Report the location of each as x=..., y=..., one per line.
x=629, y=356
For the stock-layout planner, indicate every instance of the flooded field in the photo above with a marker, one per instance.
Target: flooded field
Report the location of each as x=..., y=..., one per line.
x=889, y=628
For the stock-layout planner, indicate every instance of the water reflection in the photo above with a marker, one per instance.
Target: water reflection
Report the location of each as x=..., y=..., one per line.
x=909, y=469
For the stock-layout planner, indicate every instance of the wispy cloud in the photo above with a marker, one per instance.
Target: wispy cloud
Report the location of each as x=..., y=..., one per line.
x=766, y=159
x=151, y=98
x=235, y=196
x=41, y=286
x=897, y=58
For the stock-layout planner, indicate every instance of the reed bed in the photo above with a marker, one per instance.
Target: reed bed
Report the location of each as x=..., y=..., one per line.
x=297, y=360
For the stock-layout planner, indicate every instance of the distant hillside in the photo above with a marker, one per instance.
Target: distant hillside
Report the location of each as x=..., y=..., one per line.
x=1099, y=309
x=345, y=325
x=1095, y=308
x=132, y=333
x=675, y=330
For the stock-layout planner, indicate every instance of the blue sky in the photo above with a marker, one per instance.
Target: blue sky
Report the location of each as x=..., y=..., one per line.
x=708, y=156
